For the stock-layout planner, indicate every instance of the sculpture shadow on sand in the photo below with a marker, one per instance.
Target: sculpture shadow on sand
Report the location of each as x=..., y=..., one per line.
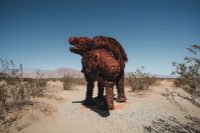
x=100, y=107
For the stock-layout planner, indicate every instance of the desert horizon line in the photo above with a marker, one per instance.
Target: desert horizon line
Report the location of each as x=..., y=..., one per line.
x=79, y=71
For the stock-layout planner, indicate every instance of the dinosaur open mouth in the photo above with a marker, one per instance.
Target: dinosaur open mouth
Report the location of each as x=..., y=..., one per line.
x=74, y=48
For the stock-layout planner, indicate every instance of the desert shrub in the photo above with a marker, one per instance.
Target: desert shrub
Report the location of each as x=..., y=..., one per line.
x=15, y=92
x=12, y=88
x=12, y=96
x=67, y=82
x=188, y=72
x=140, y=80
x=38, y=85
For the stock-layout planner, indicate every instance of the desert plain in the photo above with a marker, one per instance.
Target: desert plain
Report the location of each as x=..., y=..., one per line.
x=157, y=109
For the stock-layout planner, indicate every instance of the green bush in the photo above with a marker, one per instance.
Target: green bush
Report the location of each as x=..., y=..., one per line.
x=188, y=72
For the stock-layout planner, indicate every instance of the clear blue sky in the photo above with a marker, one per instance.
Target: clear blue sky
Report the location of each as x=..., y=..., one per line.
x=153, y=32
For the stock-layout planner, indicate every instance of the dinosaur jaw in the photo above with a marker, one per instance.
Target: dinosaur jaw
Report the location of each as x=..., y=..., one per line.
x=74, y=42
x=75, y=49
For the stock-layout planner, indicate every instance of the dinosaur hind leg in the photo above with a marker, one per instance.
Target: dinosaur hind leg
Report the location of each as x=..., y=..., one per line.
x=109, y=96
x=109, y=92
x=120, y=89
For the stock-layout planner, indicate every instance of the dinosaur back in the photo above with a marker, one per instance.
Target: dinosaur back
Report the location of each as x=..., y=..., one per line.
x=112, y=45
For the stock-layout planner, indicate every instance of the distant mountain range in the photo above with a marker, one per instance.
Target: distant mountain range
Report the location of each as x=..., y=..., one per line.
x=59, y=73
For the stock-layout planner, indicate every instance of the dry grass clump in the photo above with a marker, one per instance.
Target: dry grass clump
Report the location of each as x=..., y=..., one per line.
x=140, y=80
x=188, y=72
x=38, y=86
x=67, y=82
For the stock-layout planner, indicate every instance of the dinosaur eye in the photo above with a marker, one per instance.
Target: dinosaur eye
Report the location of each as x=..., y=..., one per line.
x=81, y=41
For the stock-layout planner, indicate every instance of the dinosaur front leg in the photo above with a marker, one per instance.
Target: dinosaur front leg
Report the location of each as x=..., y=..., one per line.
x=109, y=92
x=100, y=91
x=99, y=100
x=120, y=89
x=89, y=93
x=109, y=96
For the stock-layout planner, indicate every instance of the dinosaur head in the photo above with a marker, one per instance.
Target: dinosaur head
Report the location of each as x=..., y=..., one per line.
x=79, y=44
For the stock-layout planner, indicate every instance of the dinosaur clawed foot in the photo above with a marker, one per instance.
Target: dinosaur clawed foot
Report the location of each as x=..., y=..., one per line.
x=99, y=98
x=89, y=102
x=121, y=99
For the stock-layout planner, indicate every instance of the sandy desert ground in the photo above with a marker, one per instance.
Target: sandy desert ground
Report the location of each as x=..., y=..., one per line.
x=64, y=113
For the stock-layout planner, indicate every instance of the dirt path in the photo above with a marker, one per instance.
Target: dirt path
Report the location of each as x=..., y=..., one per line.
x=69, y=116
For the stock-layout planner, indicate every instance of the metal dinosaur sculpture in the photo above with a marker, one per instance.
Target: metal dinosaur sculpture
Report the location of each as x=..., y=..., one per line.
x=110, y=45
x=103, y=60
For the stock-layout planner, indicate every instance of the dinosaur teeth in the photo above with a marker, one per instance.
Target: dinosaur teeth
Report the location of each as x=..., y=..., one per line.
x=75, y=47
